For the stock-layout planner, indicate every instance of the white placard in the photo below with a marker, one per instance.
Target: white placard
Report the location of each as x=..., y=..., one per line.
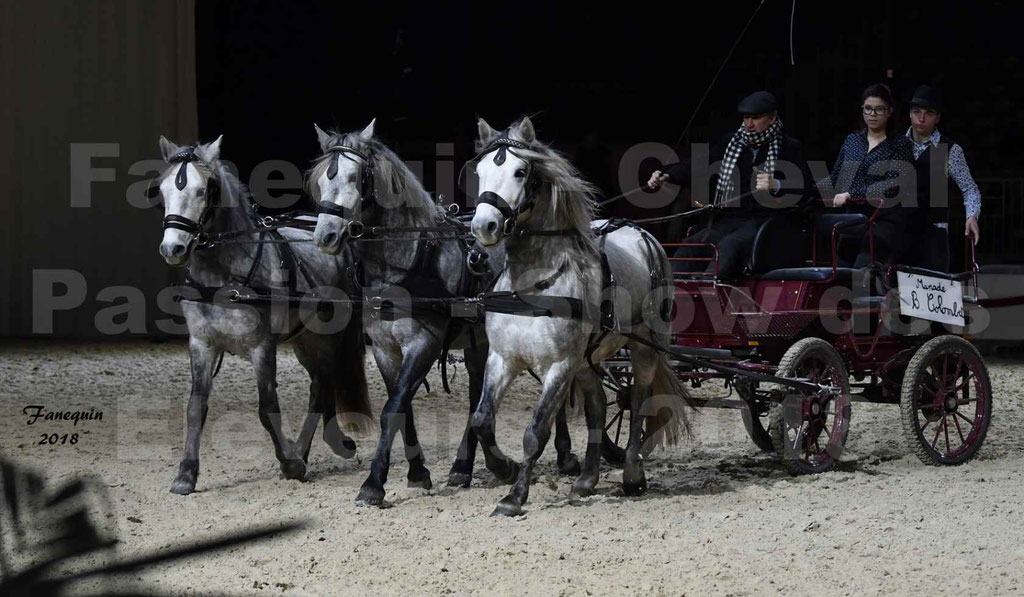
x=934, y=299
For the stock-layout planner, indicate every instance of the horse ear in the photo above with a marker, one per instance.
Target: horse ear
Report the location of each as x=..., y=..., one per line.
x=368, y=131
x=322, y=137
x=484, y=131
x=210, y=152
x=527, y=134
x=167, y=148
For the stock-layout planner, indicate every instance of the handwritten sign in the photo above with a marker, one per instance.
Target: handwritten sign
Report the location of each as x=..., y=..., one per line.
x=934, y=299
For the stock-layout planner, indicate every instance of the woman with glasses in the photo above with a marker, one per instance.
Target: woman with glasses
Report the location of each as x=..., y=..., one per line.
x=875, y=164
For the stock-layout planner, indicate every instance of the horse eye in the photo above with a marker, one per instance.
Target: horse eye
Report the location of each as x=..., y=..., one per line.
x=520, y=173
x=201, y=193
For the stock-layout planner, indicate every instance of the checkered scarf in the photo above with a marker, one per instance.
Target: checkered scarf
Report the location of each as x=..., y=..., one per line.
x=771, y=135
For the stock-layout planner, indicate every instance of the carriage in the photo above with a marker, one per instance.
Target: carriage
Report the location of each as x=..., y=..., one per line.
x=798, y=312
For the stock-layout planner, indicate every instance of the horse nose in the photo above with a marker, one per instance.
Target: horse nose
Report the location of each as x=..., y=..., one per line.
x=330, y=239
x=172, y=250
x=492, y=227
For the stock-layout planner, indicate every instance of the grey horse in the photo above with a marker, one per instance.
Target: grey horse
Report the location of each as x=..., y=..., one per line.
x=359, y=177
x=536, y=202
x=203, y=199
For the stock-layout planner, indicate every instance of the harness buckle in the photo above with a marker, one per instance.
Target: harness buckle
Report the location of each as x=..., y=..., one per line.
x=234, y=296
x=356, y=229
x=266, y=221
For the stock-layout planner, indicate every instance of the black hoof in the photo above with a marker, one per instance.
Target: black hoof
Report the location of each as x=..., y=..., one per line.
x=508, y=506
x=370, y=496
x=183, y=486
x=570, y=465
x=584, y=487
x=293, y=469
x=420, y=480
x=634, y=489
x=457, y=479
x=185, y=482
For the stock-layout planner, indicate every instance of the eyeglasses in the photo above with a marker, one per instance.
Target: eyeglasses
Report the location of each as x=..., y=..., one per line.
x=869, y=110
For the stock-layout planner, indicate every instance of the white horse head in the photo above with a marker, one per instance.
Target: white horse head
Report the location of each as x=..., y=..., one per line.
x=337, y=185
x=186, y=190
x=506, y=184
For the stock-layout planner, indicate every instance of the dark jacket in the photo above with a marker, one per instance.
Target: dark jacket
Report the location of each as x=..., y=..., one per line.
x=791, y=170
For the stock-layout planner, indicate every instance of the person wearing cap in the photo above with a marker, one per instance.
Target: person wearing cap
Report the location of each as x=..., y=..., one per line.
x=761, y=170
x=940, y=163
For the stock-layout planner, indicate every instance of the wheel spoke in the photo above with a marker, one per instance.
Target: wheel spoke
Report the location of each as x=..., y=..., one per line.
x=945, y=427
x=938, y=430
x=969, y=422
x=618, y=428
x=958, y=431
x=618, y=415
x=945, y=362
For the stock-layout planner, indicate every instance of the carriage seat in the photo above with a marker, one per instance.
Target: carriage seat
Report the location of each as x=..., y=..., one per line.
x=849, y=225
x=781, y=242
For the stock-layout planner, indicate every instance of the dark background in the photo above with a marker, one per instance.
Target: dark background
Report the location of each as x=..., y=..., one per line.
x=597, y=77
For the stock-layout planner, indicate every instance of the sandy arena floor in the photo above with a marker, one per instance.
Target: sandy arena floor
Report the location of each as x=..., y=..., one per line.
x=720, y=518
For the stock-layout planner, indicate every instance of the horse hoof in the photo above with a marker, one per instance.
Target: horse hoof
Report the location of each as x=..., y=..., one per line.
x=293, y=469
x=584, y=487
x=459, y=480
x=570, y=465
x=420, y=480
x=508, y=506
x=183, y=486
x=634, y=489
x=370, y=496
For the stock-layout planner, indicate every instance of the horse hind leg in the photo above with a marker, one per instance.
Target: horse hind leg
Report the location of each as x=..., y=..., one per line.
x=317, y=356
x=634, y=481
x=568, y=464
x=595, y=409
x=204, y=362
x=264, y=362
x=461, y=473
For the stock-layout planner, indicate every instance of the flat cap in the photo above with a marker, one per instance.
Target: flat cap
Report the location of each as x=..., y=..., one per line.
x=927, y=97
x=759, y=102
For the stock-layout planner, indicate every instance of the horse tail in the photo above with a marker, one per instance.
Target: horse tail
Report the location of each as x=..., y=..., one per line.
x=666, y=412
x=351, y=395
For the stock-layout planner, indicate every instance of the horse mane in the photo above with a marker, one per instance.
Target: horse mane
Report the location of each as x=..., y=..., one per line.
x=392, y=178
x=572, y=205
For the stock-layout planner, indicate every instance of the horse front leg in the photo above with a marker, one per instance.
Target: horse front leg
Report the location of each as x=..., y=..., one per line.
x=461, y=474
x=497, y=377
x=203, y=360
x=264, y=363
x=397, y=416
x=537, y=433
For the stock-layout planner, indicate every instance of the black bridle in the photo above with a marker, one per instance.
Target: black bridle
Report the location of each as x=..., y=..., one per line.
x=367, y=188
x=504, y=144
x=211, y=191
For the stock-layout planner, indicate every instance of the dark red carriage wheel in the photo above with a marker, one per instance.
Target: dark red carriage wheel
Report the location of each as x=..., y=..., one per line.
x=809, y=429
x=946, y=401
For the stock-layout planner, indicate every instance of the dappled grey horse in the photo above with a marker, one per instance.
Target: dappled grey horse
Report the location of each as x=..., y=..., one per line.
x=362, y=187
x=532, y=198
x=204, y=202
